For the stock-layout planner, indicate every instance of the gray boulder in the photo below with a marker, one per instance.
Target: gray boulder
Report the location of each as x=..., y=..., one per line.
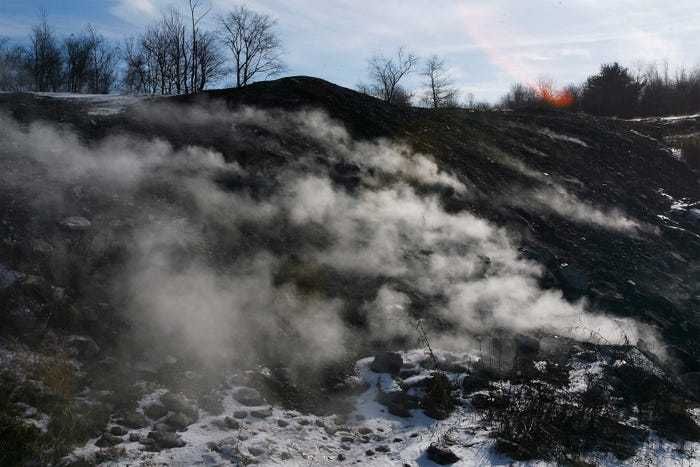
x=387, y=362
x=248, y=397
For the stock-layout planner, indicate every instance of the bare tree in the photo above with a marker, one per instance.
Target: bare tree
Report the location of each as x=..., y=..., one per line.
x=198, y=11
x=440, y=92
x=45, y=56
x=103, y=61
x=387, y=72
x=77, y=50
x=136, y=75
x=209, y=59
x=255, y=48
x=177, y=50
x=14, y=67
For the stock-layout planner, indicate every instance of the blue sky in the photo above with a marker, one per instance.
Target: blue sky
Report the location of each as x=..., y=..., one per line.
x=488, y=44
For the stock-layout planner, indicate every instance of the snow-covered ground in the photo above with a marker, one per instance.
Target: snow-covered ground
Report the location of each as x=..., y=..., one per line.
x=369, y=435
x=670, y=118
x=98, y=104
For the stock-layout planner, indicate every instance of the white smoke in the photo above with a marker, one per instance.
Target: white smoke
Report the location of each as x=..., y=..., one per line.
x=227, y=271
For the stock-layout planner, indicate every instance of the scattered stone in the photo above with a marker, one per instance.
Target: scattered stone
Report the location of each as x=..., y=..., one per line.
x=397, y=440
x=179, y=403
x=363, y=430
x=133, y=420
x=441, y=455
x=108, y=440
x=164, y=427
x=341, y=457
x=118, y=431
x=166, y=440
x=345, y=447
x=232, y=423
x=261, y=413
x=285, y=456
x=248, y=396
x=155, y=411
x=179, y=420
x=240, y=414
x=320, y=423
x=135, y=437
x=382, y=448
x=304, y=421
x=347, y=439
x=256, y=451
x=282, y=423
x=369, y=452
x=387, y=362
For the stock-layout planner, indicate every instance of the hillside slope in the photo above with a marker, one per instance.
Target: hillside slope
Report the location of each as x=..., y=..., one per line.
x=155, y=249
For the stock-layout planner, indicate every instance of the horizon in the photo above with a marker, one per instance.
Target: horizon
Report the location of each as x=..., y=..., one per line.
x=487, y=47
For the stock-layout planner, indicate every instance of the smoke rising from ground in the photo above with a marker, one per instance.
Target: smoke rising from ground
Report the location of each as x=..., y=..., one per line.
x=303, y=269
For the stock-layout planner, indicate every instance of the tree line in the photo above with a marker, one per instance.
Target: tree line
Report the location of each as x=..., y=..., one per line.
x=175, y=54
x=614, y=91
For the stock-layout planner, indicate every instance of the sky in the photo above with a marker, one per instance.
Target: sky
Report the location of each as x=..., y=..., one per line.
x=488, y=44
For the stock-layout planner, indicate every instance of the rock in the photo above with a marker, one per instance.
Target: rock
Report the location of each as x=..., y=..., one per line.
x=166, y=440
x=387, y=362
x=382, y=448
x=341, y=457
x=179, y=403
x=118, y=431
x=179, y=420
x=155, y=411
x=164, y=427
x=108, y=440
x=282, y=423
x=304, y=421
x=240, y=414
x=136, y=437
x=369, y=452
x=248, y=397
x=363, y=430
x=441, y=455
x=133, y=420
x=256, y=451
x=232, y=423
x=82, y=346
x=397, y=440
x=261, y=413
x=75, y=223
x=398, y=403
